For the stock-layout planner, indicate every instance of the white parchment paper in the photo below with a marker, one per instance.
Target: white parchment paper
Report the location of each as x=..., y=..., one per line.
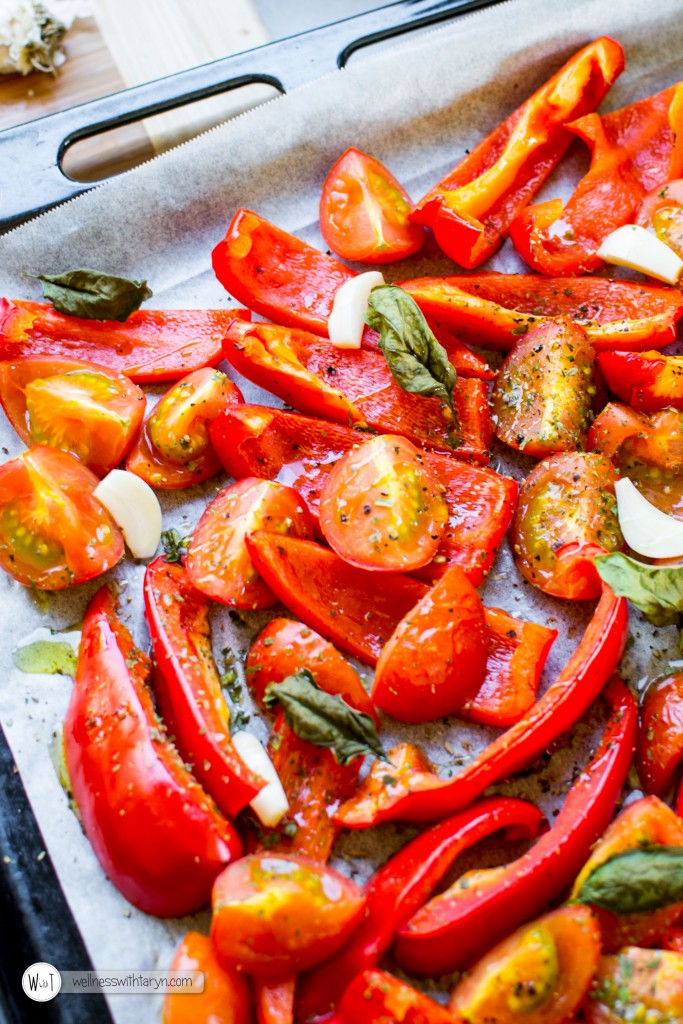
x=417, y=107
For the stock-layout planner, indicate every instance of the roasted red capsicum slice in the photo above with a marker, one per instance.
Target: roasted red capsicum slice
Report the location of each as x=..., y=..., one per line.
x=495, y=310
x=188, y=687
x=470, y=210
x=425, y=796
x=660, y=736
x=402, y=885
x=647, y=381
x=160, y=839
x=265, y=268
x=356, y=387
x=632, y=150
x=301, y=451
x=457, y=926
x=152, y=345
x=225, y=999
x=375, y=997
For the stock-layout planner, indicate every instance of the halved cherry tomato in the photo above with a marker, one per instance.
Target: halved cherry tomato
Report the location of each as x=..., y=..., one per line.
x=364, y=211
x=637, y=985
x=540, y=974
x=436, y=657
x=645, y=380
x=543, y=395
x=226, y=998
x=375, y=996
x=152, y=345
x=645, y=822
x=568, y=499
x=659, y=750
x=218, y=562
x=284, y=647
x=273, y=914
x=53, y=532
x=382, y=506
x=662, y=209
x=79, y=407
x=174, y=449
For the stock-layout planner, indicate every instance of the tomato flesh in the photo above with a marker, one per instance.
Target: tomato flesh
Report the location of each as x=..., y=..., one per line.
x=218, y=562
x=279, y=913
x=53, y=532
x=566, y=499
x=226, y=998
x=659, y=749
x=364, y=211
x=662, y=210
x=80, y=407
x=637, y=985
x=436, y=657
x=382, y=506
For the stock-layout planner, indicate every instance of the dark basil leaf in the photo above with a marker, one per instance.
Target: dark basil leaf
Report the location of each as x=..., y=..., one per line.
x=636, y=881
x=418, y=362
x=324, y=719
x=656, y=590
x=93, y=295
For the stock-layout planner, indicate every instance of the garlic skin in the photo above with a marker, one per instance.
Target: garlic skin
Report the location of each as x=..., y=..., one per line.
x=31, y=34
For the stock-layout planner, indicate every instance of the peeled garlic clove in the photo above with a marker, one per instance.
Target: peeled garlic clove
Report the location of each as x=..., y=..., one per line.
x=636, y=247
x=347, y=319
x=271, y=804
x=646, y=529
x=135, y=509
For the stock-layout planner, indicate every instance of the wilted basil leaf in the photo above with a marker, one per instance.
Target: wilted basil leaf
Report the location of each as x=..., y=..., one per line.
x=324, y=719
x=418, y=362
x=174, y=544
x=636, y=881
x=93, y=295
x=657, y=591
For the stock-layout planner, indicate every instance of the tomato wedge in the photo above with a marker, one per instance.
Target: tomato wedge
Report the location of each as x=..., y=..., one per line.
x=567, y=499
x=226, y=998
x=662, y=209
x=53, y=532
x=152, y=345
x=382, y=506
x=660, y=737
x=436, y=656
x=218, y=562
x=80, y=407
x=637, y=984
x=364, y=211
x=174, y=449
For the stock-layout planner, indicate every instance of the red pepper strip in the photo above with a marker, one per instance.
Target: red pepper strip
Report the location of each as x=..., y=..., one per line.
x=647, y=381
x=470, y=210
x=188, y=687
x=375, y=997
x=276, y=274
x=402, y=885
x=158, y=836
x=632, y=151
x=300, y=451
x=517, y=652
x=493, y=310
x=660, y=733
x=274, y=999
x=153, y=345
x=428, y=797
x=455, y=928
x=357, y=387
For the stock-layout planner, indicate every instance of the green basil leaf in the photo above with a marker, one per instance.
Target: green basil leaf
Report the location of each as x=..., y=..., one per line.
x=418, y=362
x=93, y=295
x=324, y=719
x=46, y=657
x=174, y=544
x=656, y=590
x=636, y=881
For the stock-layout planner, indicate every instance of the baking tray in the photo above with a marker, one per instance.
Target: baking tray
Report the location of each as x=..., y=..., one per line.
x=434, y=99
x=36, y=923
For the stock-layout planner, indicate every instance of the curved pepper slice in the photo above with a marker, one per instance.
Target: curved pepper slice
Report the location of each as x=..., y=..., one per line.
x=300, y=451
x=152, y=345
x=158, y=836
x=188, y=688
x=660, y=736
x=356, y=387
x=494, y=310
x=647, y=381
x=375, y=997
x=632, y=151
x=470, y=210
x=402, y=885
x=456, y=927
x=425, y=796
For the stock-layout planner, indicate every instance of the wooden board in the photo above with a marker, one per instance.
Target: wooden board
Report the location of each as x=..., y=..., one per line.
x=128, y=42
